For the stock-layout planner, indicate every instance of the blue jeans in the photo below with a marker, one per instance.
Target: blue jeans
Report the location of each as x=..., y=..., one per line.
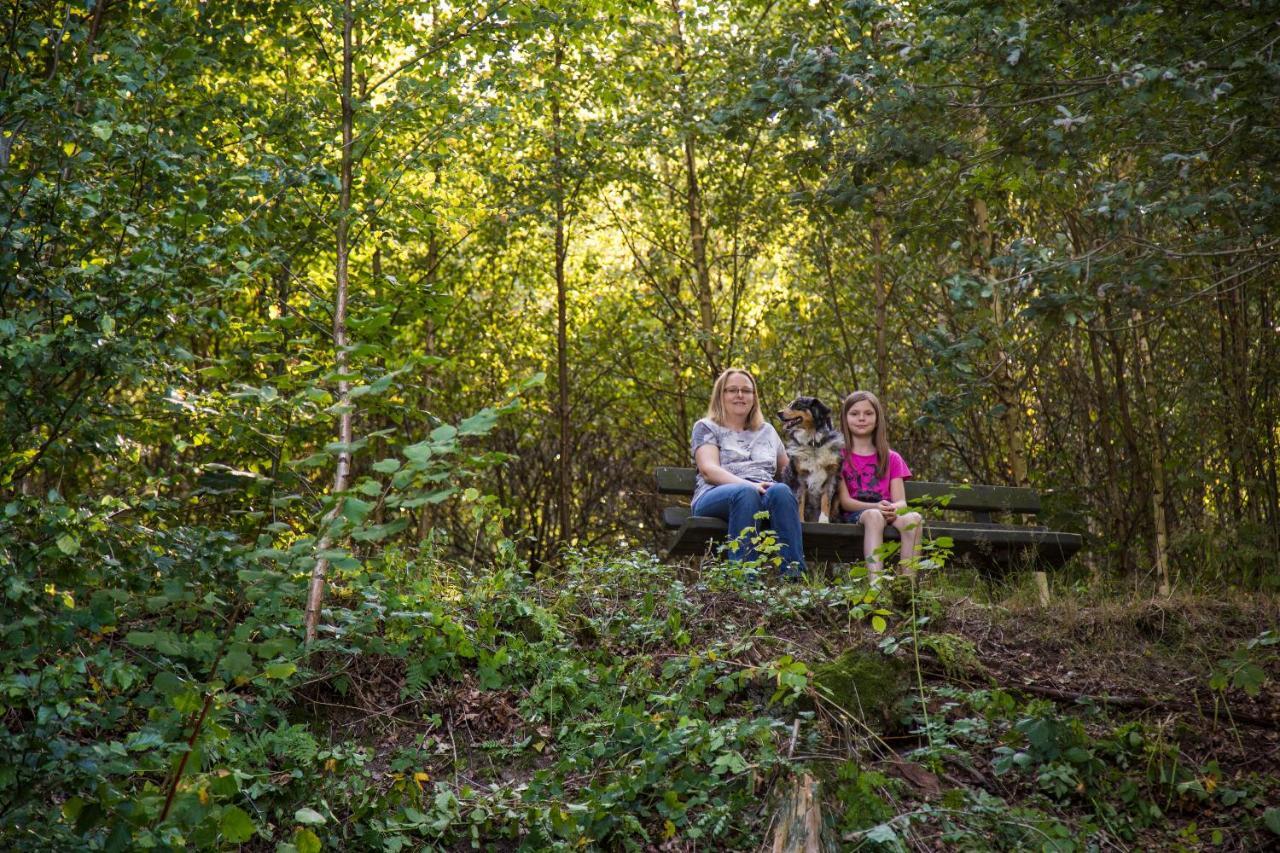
x=738, y=503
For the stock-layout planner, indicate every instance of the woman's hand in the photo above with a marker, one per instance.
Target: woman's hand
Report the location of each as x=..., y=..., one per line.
x=761, y=487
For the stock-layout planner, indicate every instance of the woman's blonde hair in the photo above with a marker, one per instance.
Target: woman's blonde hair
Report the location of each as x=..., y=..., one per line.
x=715, y=408
x=880, y=438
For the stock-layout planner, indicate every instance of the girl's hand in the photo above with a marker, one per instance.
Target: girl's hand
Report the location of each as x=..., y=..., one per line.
x=762, y=487
x=889, y=510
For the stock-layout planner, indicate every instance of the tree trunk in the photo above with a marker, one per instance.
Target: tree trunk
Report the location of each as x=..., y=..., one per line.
x=315, y=595
x=833, y=291
x=562, y=336
x=1269, y=414
x=1111, y=509
x=693, y=209
x=1002, y=377
x=1235, y=426
x=882, y=296
x=1146, y=377
x=1242, y=404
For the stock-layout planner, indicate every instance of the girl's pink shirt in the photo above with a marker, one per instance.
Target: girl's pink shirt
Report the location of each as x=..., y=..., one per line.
x=859, y=473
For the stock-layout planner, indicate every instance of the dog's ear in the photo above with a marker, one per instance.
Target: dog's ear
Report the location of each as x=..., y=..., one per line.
x=821, y=414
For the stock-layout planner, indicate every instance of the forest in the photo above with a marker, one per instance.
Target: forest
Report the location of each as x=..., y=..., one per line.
x=340, y=341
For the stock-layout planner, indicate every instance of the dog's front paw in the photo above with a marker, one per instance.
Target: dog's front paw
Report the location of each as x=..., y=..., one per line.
x=823, y=518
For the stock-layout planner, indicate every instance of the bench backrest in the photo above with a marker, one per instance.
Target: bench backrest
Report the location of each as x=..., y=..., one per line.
x=964, y=497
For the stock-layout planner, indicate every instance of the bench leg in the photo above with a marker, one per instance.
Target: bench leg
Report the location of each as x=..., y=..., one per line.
x=1042, y=588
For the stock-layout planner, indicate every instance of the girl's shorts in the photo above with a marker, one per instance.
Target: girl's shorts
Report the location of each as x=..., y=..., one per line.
x=853, y=516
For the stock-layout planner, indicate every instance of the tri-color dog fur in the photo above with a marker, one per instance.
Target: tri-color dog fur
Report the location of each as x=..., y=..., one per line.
x=814, y=448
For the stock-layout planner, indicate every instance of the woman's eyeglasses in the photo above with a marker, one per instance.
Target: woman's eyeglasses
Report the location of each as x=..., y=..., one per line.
x=729, y=392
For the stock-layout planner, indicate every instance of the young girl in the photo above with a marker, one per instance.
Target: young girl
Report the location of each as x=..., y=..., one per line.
x=871, y=488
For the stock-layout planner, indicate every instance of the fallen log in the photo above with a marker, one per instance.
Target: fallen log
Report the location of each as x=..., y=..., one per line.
x=1145, y=704
x=1141, y=703
x=798, y=828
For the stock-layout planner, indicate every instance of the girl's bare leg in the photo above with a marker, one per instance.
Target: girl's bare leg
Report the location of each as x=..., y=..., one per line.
x=872, y=539
x=911, y=526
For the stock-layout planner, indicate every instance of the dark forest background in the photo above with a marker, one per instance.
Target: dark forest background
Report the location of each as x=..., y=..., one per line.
x=1043, y=233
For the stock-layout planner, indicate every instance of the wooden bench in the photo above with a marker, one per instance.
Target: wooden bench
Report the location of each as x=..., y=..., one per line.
x=1005, y=546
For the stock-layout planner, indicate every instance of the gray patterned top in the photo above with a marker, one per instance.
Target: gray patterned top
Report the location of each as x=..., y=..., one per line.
x=749, y=454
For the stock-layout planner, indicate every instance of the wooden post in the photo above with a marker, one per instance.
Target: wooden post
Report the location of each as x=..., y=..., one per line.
x=1042, y=588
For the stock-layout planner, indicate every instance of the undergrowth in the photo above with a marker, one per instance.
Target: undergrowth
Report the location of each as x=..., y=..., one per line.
x=618, y=704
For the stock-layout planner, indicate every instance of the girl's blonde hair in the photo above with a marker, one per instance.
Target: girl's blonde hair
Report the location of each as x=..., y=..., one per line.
x=715, y=408
x=880, y=438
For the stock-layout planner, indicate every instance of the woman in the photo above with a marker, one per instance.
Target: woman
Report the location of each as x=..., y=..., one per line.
x=738, y=456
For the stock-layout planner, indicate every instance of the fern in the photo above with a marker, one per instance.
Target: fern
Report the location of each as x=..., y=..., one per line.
x=293, y=742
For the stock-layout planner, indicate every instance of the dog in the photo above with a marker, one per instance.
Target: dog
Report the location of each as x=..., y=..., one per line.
x=814, y=448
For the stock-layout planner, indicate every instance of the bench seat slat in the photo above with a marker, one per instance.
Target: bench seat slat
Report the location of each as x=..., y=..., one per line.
x=968, y=498
x=674, y=516
x=843, y=542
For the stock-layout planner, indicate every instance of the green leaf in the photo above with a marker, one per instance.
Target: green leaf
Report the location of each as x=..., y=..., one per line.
x=489, y=678
x=102, y=130
x=275, y=646
x=419, y=452
x=238, y=661
x=381, y=531
x=187, y=702
x=307, y=816
x=1271, y=817
x=144, y=741
x=429, y=498
x=141, y=640
x=165, y=683
x=376, y=388
x=337, y=447
x=878, y=624
x=478, y=424
x=68, y=544
x=1249, y=678
x=315, y=460
x=355, y=510
x=882, y=834
x=444, y=433
x=306, y=841
x=225, y=786
x=280, y=670
x=339, y=559
x=236, y=826
x=387, y=466
x=71, y=808
x=1076, y=755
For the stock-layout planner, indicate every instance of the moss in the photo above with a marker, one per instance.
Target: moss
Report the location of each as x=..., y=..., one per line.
x=527, y=627
x=958, y=655
x=866, y=684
